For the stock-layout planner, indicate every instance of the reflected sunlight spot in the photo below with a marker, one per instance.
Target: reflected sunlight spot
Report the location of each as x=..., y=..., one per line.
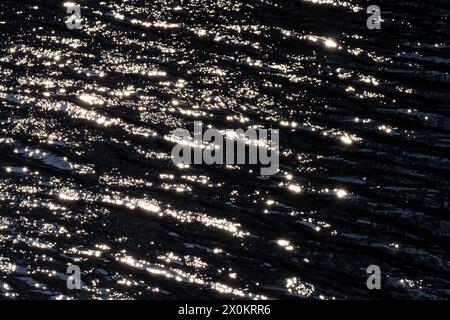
x=329, y=43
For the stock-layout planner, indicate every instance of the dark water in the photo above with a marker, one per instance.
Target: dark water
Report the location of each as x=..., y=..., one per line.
x=86, y=176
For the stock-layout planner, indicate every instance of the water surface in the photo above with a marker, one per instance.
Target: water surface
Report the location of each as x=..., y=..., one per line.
x=86, y=176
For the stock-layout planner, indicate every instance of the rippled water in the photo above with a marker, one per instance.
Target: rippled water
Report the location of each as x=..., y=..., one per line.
x=86, y=176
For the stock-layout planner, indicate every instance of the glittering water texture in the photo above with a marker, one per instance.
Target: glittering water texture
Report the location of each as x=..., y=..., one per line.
x=86, y=176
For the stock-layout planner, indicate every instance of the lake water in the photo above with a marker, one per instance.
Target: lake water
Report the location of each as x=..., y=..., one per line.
x=86, y=176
